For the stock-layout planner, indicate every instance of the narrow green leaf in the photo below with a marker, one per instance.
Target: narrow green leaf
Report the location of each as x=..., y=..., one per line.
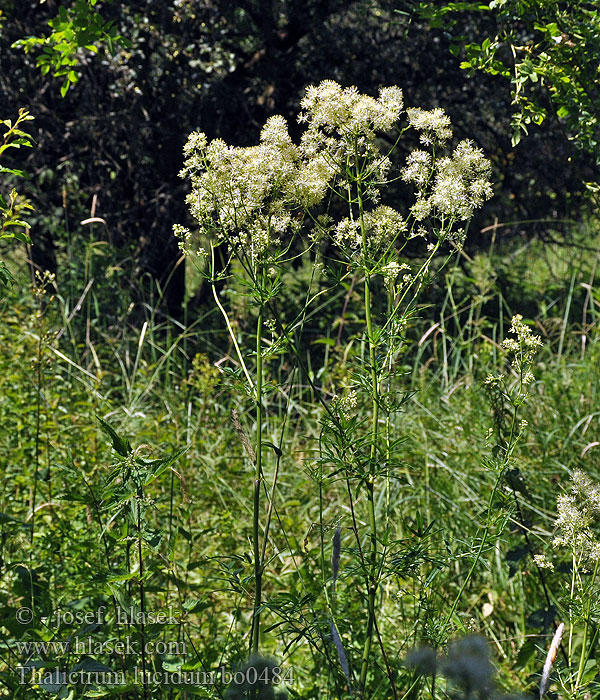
x=120, y=445
x=13, y=171
x=159, y=466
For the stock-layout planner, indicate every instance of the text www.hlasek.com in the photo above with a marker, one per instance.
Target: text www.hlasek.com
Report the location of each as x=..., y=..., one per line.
x=90, y=646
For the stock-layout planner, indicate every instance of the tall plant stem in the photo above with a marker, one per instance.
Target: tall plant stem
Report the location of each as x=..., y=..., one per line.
x=228, y=324
x=509, y=448
x=257, y=483
x=475, y=562
x=370, y=481
x=38, y=409
x=584, y=656
x=140, y=497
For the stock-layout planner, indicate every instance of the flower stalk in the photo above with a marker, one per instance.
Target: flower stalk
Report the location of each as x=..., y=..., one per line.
x=372, y=583
x=255, y=635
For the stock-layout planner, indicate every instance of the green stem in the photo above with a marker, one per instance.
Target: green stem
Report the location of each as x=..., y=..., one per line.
x=228, y=324
x=139, y=501
x=257, y=481
x=372, y=574
x=584, y=655
x=480, y=549
x=38, y=409
x=571, y=625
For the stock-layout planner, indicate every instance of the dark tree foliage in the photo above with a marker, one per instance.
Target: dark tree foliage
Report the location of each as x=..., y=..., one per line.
x=224, y=67
x=547, y=53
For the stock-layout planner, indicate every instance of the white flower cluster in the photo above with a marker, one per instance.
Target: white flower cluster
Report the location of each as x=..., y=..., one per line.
x=543, y=562
x=249, y=197
x=246, y=196
x=346, y=404
x=493, y=380
x=382, y=226
x=524, y=348
x=345, y=111
x=419, y=167
x=183, y=235
x=587, y=490
x=435, y=125
x=390, y=272
x=459, y=184
x=578, y=512
x=342, y=126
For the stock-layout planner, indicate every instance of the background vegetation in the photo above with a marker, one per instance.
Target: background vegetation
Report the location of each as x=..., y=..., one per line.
x=128, y=485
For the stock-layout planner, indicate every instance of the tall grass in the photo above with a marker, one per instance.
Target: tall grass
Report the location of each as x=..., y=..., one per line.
x=126, y=521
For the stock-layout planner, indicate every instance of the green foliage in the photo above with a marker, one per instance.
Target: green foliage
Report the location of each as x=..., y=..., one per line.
x=345, y=460
x=96, y=506
x=12, y=205
x=545, y=48
x=77, y=27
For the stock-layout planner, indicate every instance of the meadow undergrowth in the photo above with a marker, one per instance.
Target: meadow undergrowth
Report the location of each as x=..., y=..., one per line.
x=350, y=462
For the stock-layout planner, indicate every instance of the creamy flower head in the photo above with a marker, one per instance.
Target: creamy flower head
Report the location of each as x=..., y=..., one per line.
x=342, y=126
x=196, y=142
x=247, y=195
x=345, y=404
x=523, y=348
x=382, y=226
x=543, y=562
x=250, y=197
x=391, y=271
x=313, y=180
x=460, y=182
x=434, y=124
x=586, y=489
x=579, y=519
x=275, y=132
x=418, y=168
x=334, y=108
